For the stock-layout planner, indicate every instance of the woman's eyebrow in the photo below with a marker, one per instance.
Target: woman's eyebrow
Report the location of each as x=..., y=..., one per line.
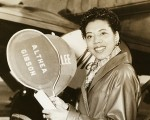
x=88, y=32
x=101, y=30
x=98, y=31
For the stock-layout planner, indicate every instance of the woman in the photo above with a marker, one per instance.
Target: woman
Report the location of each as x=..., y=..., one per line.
x=111, y=90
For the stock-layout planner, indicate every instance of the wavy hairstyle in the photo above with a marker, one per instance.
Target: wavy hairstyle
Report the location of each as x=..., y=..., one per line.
x=100, y=14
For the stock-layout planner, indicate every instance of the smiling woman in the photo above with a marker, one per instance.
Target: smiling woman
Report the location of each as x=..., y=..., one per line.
x=113, y=84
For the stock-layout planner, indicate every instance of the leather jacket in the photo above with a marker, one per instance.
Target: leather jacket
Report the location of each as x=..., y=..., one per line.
x=114, y=93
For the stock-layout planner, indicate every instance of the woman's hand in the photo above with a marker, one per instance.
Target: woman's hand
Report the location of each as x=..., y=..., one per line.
x=55, y=114
x=60, y=113
x=59, y=103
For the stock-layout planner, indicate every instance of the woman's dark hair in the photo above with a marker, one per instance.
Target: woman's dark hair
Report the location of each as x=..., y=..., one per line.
x=100, y=14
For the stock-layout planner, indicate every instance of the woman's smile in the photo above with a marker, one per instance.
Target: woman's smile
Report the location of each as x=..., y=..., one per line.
x=100, y=49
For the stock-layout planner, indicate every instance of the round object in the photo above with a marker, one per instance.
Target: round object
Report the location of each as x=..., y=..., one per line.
x=40, y=61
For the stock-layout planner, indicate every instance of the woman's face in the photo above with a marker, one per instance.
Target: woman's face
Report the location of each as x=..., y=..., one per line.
x=100, y=38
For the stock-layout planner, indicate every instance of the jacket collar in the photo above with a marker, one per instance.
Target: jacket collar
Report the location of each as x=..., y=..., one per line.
x=114, y=62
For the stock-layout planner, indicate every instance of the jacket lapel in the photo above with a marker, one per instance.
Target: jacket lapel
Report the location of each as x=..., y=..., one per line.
x=114, y=62
x=85, y=100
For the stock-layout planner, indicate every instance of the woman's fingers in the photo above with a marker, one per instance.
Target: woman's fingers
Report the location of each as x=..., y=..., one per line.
x=55, y=114
x=45, y=111
x=46, y=114
x=59, y=103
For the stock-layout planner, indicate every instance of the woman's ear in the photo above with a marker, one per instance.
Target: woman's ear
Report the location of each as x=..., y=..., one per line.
x=117, y=37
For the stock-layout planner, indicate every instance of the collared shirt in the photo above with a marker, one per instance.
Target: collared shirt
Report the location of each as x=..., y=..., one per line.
x=98, y=64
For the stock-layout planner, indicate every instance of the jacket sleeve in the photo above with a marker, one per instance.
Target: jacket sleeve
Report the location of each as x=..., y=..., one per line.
x=74, y=115
x=123, y=99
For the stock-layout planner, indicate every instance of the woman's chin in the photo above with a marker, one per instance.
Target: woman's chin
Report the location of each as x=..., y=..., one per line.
x=100, y=57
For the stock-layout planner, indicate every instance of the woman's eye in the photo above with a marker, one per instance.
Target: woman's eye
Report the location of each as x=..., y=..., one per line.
x=88, y=36
x=103, y=33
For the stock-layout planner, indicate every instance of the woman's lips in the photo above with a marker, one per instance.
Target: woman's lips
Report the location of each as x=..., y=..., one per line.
x=100, y=49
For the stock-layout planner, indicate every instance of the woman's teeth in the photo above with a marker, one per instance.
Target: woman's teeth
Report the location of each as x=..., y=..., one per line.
x=99, y=49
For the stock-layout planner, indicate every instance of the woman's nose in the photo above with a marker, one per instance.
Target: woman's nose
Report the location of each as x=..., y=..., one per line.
x=98, y=39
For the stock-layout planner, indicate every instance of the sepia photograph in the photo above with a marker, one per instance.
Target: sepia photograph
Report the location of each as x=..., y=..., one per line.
x=74, y=60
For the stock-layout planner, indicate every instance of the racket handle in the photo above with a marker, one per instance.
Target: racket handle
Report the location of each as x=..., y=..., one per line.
x=44, y=100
